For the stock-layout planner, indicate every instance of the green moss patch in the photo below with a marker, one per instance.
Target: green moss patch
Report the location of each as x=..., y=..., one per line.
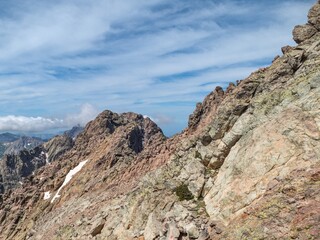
x=183, y=192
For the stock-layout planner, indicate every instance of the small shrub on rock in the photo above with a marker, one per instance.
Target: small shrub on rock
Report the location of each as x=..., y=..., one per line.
x=183, y=192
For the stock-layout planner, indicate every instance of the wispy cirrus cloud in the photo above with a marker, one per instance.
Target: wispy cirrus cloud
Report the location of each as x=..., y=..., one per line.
x=155, y=57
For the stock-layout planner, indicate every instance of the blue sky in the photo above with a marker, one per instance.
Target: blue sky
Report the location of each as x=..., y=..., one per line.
x=62, y=62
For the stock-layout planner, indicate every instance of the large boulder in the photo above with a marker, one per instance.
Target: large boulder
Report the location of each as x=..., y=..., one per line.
x=314, y=16
x=303, y=32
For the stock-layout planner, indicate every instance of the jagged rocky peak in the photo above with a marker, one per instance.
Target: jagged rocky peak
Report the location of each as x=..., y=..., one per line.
x=107, y=122
x=74, y=131
x=208, y=106
x=137, y=130
x=57, y=146
x=304, y=32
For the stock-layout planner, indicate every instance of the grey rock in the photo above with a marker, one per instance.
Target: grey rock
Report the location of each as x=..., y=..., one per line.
x=314, y=16
x=303, y=32
x=57, y=146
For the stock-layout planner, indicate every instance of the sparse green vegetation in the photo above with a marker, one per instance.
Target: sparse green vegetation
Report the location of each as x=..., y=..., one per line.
x=183, y=192
x=197, y=155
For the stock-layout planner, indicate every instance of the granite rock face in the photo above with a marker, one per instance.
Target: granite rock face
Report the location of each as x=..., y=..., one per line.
x=314, y=16
x=20, y=163
x=57, y=146
x=26, y=155
x=14, y=168
x=303, y=32
x=247, y=167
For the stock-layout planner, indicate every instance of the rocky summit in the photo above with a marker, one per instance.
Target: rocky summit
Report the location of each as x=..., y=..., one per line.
x=247, y=166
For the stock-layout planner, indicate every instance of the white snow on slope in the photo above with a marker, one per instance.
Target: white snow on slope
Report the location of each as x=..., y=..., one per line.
x=47, y=155
x=47, y=195
x=68, y=178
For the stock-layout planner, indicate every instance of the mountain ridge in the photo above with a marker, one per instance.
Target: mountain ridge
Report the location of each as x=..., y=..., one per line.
x=247, y=166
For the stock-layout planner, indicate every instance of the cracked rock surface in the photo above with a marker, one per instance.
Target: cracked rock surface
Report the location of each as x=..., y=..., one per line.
x=247, y=166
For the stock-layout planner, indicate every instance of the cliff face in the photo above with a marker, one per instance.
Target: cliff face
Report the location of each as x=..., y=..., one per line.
x=247, y=166
x=14, y=168
x=18, y=165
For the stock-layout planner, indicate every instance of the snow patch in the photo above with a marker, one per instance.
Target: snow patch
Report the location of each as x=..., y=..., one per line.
x=47, y=195
x=68, y=178
x=21, y=183
x=47, y=161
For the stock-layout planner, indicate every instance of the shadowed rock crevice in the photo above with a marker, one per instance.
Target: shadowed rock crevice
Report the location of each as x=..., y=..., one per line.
x=136, y=139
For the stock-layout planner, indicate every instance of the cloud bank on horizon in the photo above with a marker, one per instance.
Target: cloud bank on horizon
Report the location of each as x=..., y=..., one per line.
x=155, y=57
x=39, y=124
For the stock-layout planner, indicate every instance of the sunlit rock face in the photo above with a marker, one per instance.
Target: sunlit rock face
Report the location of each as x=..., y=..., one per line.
x=247, y=166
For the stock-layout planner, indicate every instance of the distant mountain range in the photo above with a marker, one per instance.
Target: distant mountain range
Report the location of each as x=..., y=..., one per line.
x=23, y=143
x=74, y=132
x=20, y=158
x=14, y=143
x=8, y=137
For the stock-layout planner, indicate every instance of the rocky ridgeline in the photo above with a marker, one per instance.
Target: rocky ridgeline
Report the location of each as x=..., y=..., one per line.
x=24, y=155
x=247, y=166
x=17, y=166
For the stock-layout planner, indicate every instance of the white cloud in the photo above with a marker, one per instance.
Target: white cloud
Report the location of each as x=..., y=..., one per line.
x=28, y=124
x=112, y=53
x=163, y=120
x=86, y=114
x=160, y=119
x=38, y=124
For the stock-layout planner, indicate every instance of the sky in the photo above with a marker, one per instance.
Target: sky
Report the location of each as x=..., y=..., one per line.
x=64, y=61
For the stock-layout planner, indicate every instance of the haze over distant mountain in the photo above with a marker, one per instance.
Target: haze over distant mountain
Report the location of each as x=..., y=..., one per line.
x=8, y=137
x=74, y=132
x=13, y=143
x=23, y=143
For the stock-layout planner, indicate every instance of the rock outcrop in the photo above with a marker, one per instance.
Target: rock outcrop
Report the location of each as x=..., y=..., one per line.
x=27, y=154
x=247, y=166
x=14, y=168
x=57, y=146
